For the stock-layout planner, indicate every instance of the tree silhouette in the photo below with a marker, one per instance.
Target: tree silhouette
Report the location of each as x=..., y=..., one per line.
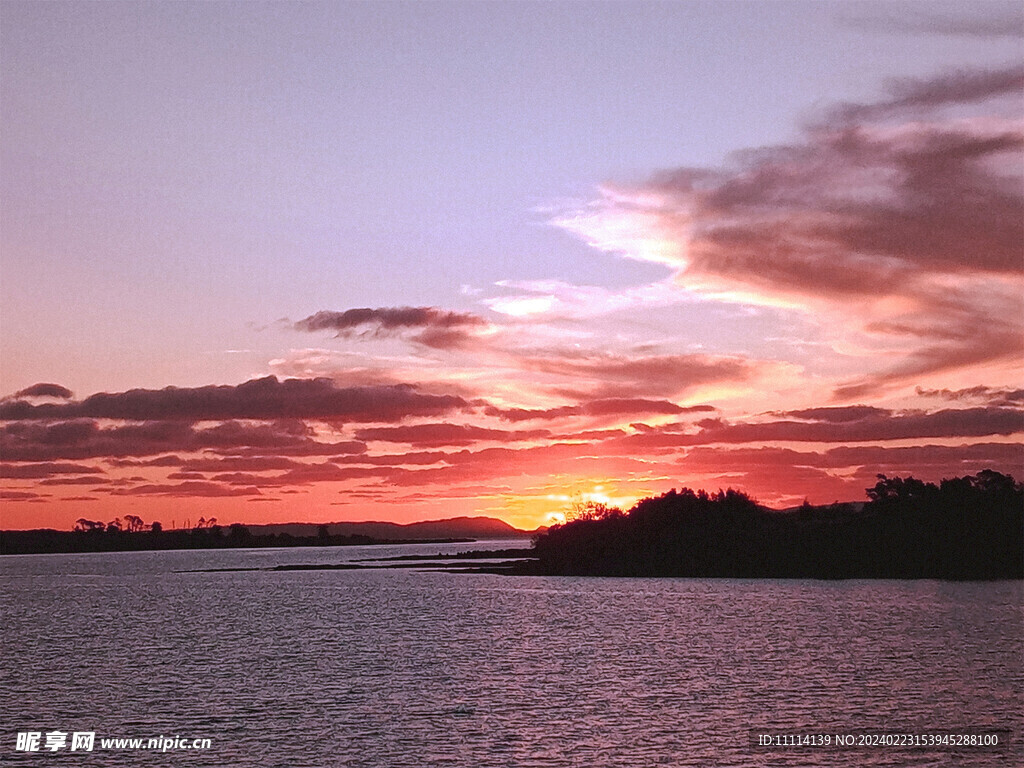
x=965, y=528
x=134, y=523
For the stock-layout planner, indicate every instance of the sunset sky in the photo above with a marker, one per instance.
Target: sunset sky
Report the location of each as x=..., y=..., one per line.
x=272, y=262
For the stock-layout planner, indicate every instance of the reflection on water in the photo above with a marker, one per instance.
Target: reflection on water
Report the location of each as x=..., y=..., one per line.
x=409, y=668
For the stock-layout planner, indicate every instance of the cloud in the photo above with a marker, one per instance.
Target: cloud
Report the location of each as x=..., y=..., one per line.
x=948, y=459
x=84, y=480
x=554, y=299
x=897, y=224
x=615, y=406
x=989, y=395
x=989, y=20
x=308, y=474
x=448, y=468
x=588, y=435
x=308, y=447
x=23, y=496
x=882, y=203
x=84, y=438
x=44, y=390
x=903, y=459
x=875, y=425
x=965, y=86
x=446, y=434
x=437, y=328
x=190, y=488
x=960, y=338
x=241, y=464
x=38, y=441
x=162, y=461
x=593, y=460
x=46, y=469
x=343, y=367
x=839, y=415
x=266, y=398
x=394, y=459
x=618, y=377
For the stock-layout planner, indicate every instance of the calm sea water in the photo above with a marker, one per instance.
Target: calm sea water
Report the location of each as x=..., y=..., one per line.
x=411, y=668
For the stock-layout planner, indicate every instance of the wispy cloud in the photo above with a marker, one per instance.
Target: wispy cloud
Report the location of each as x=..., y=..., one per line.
x=896, y=221
x=432, y=327
x=986, y=20
x=989, y=395
x=556, y=299
x=910, y=96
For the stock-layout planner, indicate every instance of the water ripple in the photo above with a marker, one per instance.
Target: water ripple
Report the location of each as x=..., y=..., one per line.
x=399, y=668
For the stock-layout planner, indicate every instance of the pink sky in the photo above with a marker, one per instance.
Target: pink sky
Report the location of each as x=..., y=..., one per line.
x=250, y=275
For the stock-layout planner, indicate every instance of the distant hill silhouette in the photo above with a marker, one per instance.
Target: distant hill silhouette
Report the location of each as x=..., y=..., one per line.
x=965, y=528
x=131, y=534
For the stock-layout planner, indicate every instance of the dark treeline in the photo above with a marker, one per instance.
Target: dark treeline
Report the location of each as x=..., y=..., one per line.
x=964, y=528
x=133, y=535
